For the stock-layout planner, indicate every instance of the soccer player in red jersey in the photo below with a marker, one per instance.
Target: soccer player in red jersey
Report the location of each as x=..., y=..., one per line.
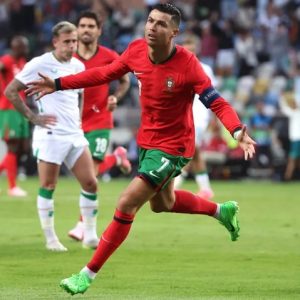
x=169, y=77
x=98, y=104
x=14, y=128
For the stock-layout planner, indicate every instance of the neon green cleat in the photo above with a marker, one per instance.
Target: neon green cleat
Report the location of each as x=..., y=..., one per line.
x=228, y=218
x=76, y=284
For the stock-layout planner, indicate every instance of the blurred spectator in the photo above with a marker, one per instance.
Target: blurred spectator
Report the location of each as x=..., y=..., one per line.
x=225, y=57
x=291, y=109
x=246, y=53
x=260, y=127
x=4, y=19
x=209, y=44
x=278, y=43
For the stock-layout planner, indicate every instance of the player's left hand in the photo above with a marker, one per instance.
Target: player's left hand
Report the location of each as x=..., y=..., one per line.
x=112, y=102
x=246, y=143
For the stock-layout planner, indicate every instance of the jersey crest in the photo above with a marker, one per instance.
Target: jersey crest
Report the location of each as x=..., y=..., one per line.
x=170, y=84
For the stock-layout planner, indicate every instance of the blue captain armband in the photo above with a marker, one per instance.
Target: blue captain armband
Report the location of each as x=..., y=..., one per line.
x=208, y=96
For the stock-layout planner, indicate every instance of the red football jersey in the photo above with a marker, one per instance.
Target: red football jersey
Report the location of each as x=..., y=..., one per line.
x=166, y=95
x=95, y=115
x=12, y=67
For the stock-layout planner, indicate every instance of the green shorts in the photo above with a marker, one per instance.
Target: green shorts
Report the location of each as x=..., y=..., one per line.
x=13, y=125
x=98, y=142
x=159, y=168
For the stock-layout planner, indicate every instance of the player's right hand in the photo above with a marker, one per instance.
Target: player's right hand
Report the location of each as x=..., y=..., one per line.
x=40, y=87
x=45, y=121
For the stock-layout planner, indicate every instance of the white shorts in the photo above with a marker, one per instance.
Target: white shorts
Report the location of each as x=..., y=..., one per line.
x=59, y=148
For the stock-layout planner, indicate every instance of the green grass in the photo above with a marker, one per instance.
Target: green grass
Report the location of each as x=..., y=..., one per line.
x=166, y=256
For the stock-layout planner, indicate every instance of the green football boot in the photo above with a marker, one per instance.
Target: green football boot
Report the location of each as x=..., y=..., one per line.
x=228, y=218
x=76, y=284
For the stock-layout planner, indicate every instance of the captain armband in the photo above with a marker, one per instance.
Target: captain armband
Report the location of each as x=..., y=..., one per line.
x=208, y=96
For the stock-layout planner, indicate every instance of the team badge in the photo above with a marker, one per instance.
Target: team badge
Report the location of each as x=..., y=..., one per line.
x=170, y=83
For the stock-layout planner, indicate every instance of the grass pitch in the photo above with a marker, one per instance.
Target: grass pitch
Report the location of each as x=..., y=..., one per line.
x=166, y=256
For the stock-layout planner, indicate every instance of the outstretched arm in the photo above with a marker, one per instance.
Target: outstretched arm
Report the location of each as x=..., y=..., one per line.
x=232, y=123
x=12, y=93
x=87, y=78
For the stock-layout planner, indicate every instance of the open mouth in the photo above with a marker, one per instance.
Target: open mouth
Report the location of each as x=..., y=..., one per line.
x=151, y=37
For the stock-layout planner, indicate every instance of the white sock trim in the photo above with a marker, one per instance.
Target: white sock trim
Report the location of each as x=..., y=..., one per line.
x=217, y=213
x=92, y=275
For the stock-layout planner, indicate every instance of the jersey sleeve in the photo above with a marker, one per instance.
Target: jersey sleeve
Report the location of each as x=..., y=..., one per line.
x=197, y=76
x=227, y=115
x=94, y=76
x=29, y=72
x=211, y=98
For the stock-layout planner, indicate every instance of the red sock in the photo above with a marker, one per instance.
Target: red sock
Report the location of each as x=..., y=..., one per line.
x=2, y=166
x=108, y=162
x=189, y=203
x=111, y=239
x=10, y=164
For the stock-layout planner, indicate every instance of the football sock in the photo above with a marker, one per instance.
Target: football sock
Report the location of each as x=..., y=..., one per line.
x=90, y=273
x=202, y=180
x=2, y=164
x=10, y=164
x=89, y=210
x=189, y=203
x=108, y=162
x=111, y=239
x=45, y=205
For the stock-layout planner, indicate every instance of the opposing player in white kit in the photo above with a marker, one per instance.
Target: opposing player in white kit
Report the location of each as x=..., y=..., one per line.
x=201, y=122
x=58, y=136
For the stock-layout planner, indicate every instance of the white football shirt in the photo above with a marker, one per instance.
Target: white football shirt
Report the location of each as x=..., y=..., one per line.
x=63, y=104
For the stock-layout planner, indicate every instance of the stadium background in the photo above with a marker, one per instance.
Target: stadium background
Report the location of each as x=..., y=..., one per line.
x=252, y=46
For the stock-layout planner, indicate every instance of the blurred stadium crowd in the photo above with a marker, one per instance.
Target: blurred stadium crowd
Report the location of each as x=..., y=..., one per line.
x=252, y=46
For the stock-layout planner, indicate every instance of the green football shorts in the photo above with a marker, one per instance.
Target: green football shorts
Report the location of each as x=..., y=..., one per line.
x=98, y=142
x=159, y=168
x=13, y=125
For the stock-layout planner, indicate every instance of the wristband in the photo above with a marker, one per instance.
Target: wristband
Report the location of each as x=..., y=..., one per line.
x=57, y=84
x=236, y=134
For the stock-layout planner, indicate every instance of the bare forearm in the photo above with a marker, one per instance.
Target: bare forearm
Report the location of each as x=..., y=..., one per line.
x=12, y=93
x=123, y=87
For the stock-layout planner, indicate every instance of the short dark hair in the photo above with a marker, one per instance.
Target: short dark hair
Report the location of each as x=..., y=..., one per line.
x=171, y=10
x=89, y=15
